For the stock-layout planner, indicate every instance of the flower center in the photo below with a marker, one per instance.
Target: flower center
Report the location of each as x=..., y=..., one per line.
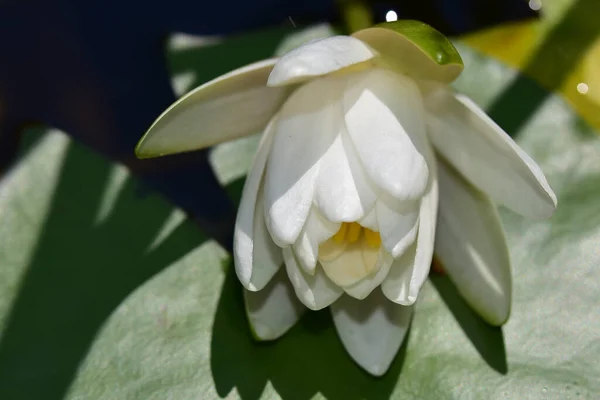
x=351, y=232
x=351, y=254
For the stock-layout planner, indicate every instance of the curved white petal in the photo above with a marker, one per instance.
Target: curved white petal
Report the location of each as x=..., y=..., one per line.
x=383, y=114
x=371, y=330
x=396, y=286
x=231, y=106
x=343, y=191
x=314, y=291
x=307, y=126
x=364, y=287
x=267, y=257
x=273, y=310
x=319, y=57
x=370, y=220
x=408, y=273
x=256, y=257
x=471, y=246
x=398, y=224
x=316, y=230
x=480, y=150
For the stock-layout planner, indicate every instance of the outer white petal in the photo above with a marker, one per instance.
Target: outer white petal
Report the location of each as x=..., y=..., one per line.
x=273, y=310
x=343, y=192
x=316, y=230
x=486, y=155
x=384, y=119
x=398, y=224
x=471, y=245
x=306, y=128
x=314, y=291
x=231, y=106
x=267, y=257
x=319, y=57
x=371, y=330
x=363, y=288
x=252, y=245
x=406, y=276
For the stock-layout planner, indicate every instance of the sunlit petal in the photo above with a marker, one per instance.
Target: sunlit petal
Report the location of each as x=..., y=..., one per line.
x=231, y=106
x=475, y=145
x=384, y=119
x=319, y=58
x=408, y=273
x=307, y=126
x=471, y=246
x=343, y=192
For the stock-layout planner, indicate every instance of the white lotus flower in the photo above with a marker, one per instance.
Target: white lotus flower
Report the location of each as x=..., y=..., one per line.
x=340, y=206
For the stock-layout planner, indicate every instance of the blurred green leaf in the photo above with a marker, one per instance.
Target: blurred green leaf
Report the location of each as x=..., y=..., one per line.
x=108, y=294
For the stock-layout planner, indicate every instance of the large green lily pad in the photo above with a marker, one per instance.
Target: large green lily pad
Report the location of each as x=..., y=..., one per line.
x=109, y=294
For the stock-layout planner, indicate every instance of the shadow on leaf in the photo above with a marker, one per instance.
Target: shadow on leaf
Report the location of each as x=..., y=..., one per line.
x=307, y=360
x=81, y=270
x=310, y=359
x=231, y=53
x=487, y=339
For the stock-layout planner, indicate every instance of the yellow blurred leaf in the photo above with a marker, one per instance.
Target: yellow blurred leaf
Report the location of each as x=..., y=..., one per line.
x=560, y=51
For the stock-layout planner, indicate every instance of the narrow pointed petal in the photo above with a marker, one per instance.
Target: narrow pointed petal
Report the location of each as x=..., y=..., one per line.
x=398, y=224
x=408, y=273
x=471, y=246
x=396, y=285
x=364, y=287
x=383, y=115
x=274, y=310
x=371, y=330
x=314, y=291
x=318, y=58
x=229, y=107
x=343, y=191
x=306, y=128
x=480, y=150
x=316, y=230
x=247, y=225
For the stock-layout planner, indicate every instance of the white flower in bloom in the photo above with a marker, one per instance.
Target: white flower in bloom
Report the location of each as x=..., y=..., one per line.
x=361, y=158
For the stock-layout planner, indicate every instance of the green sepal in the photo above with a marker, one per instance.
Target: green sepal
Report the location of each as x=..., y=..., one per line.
x=415, y=48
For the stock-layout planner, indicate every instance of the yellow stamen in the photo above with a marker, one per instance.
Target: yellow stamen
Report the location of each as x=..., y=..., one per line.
x=351, y=232
x=340, y=236
x=351, y=254
x=372, y=238
x=354, y=231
